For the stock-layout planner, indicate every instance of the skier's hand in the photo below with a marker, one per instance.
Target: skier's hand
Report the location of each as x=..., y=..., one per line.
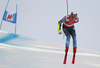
x=59, y=32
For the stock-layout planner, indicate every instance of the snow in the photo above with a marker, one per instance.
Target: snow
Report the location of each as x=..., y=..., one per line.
x=24, y=52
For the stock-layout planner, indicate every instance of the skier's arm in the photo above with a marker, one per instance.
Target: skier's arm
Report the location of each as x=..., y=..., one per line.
x=64, y=19
x=77, y=20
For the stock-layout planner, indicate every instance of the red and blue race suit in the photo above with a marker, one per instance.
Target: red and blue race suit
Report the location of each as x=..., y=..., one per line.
x=68, y=29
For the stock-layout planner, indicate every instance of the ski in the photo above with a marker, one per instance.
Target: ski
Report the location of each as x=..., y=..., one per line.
x=73, y=60
x=65, y=58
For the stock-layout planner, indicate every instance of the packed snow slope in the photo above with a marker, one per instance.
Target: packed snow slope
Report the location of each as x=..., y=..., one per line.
x=22, y=52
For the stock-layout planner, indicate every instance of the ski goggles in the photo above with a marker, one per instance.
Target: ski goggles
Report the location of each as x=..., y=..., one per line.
x=72, y=17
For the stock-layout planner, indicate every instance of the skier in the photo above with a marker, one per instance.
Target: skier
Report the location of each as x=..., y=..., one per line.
x=69, y=30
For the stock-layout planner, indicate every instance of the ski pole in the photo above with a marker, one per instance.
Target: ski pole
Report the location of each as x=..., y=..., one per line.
x=67, y=14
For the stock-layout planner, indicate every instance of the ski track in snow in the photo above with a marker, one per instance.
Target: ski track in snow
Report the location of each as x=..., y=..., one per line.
x=45, y=50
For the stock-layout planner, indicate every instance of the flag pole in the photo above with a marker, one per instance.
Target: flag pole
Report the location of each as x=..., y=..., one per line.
x=16, y=20
x=5, y=10
x=7, y=4
x=1, y=24
x=67, y=6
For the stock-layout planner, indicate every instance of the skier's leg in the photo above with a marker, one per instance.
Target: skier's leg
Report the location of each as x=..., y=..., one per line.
x=73, y=34
x=65, y=58
x=66, y=50
x=66, y=31
x=67, y=39
x=74, y=53
x=72, y=31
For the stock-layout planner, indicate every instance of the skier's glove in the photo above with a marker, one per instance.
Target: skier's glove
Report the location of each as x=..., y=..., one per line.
x=59, y=32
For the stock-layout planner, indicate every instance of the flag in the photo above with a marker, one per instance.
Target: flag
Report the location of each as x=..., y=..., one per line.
x=10, y=17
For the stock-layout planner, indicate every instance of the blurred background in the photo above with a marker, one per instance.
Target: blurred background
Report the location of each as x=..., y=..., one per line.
x=39, y=18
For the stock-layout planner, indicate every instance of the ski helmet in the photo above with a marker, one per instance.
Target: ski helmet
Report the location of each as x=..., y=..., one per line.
x=73, y=14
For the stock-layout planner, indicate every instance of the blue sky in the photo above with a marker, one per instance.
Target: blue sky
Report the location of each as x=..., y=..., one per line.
x=38, y=19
